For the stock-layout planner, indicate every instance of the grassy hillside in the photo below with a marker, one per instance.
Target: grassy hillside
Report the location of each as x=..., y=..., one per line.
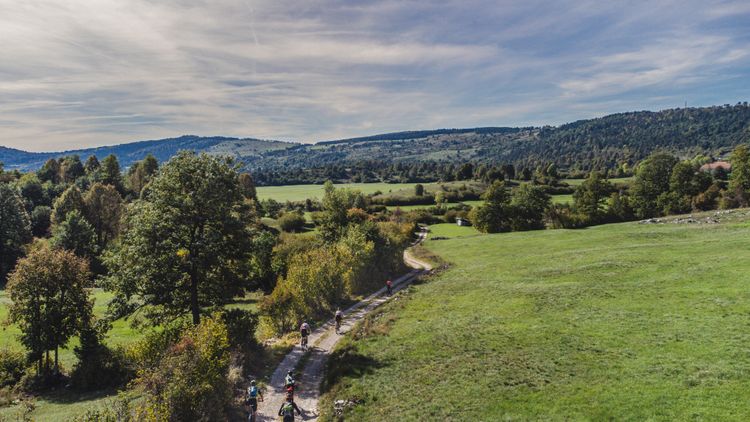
x=623, y=322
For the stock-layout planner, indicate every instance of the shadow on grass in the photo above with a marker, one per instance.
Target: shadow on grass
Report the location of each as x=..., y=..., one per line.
x=70, y=396
x=347, y=362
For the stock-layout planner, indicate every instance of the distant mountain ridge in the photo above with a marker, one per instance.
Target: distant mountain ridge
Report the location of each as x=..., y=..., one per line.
x=162, y=149
x=593, y=143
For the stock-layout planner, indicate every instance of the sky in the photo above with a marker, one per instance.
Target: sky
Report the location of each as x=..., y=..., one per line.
x=82, y=73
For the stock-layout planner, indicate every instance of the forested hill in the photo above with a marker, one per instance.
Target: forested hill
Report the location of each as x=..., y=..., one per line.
x=247, y=149
x=595, y=143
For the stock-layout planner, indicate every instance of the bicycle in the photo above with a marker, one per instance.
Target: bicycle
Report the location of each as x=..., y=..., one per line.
x=338, y=326
x=303, y=342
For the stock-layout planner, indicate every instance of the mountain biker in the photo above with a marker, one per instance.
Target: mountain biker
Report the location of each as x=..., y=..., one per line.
x=304, y=331
x=389, y=286
x=253, y=392
x=289, y=379
x=287, y=410
x=339, y=316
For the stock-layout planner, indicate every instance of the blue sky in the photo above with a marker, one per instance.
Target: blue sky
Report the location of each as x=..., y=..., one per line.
x=80, y=73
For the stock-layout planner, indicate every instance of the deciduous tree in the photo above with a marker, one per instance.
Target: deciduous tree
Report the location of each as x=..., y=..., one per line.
x=186, y=246
x=49, y=300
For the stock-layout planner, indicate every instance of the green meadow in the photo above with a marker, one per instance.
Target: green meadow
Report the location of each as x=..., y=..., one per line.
x=616, y=322
x=302, y=192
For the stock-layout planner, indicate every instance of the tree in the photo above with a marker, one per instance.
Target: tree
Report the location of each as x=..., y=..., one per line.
x=509, y=171
x=465, y=172
x=186, y=246
x=70, y=200
x=685, y=183
x=75, y=234
x=247, y=186
x=739, y=178
x=140, y=173
x=71, y=169
x=440, y=198
x=50, y=171
x=109, y=172
x=495, y=215
x=92, y=165
x=49, y=300
x=103, y=208
x=336, y=204
x=590, y=196
x=528, y=205
x=15, y=228
x=40, y=220
x=651, y=180
x=418, y=189
x=32, y=191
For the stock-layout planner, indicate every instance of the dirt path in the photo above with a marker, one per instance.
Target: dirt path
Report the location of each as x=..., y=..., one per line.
x=322, y=341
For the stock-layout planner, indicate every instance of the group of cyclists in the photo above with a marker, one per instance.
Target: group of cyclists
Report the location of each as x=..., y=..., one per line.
x=289, y=407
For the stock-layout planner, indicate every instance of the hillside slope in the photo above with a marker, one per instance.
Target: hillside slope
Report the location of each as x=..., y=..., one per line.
x=616, y=322
x=595, y=143
x=248, y=150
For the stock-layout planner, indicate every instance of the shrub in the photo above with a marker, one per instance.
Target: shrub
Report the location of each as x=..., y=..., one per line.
x=12, y=367
x=190, y=382
x=291, y=222
x=241, y=326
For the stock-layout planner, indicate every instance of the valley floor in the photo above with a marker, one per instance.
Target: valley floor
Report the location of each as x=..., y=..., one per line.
x=625, y=321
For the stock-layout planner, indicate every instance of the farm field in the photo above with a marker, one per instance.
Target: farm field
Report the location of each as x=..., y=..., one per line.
x=616, y=322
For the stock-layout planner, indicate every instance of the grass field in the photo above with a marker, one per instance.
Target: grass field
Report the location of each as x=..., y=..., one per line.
x=302, y=192
x=614, y=180
x=64, y=404
x=617, y=322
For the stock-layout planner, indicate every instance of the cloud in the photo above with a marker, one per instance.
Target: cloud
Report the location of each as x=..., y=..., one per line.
x=82, y=73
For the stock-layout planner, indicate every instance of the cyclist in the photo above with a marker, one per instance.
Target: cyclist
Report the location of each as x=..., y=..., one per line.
x=389, y=286
x=304, y=331
x=253, y=393
x=287, y=410
x=339, y=316
x=289, y=380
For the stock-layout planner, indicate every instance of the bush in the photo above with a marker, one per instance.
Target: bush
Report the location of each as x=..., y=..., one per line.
x=190, y=381
x=12, y=367
x=241, y=326
x=291, y=222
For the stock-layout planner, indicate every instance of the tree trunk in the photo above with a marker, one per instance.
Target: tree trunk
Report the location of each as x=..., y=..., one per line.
x=57, y=368
x=194, y=306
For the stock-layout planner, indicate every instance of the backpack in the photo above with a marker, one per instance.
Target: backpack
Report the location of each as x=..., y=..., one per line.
x=288, y=409
x=252, y=392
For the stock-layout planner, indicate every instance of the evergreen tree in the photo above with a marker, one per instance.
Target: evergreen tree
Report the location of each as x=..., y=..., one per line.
x=109, y=173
